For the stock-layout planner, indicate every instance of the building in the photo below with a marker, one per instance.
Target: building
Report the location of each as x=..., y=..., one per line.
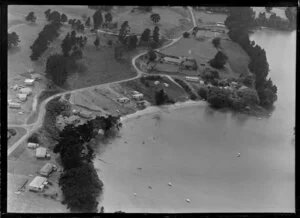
x=14, y=105
x=22, y=96
x=47, y=169
x=156, y=82
x=29, y=82
x=32, y=145
x=138, y=97
x=201, y=82
x=38, y=184
x=172, y=60
x=41, y=152
x=123, y=100
x=27, y=91
x=192, y=78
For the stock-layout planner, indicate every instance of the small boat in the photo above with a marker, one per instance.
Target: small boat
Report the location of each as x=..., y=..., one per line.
x=238, y=154
x=169, y=184
x=188, y=200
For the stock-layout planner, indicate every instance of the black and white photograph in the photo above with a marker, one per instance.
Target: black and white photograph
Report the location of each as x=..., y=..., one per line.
x=150, y=109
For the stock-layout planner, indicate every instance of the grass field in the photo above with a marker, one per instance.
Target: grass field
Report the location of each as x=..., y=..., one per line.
x=173, y=20
x=173, y=91
x=207, y=19
x=237, y=57
x=20, y=132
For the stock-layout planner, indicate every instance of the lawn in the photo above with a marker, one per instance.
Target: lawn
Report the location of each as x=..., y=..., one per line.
x=174, y=20
x=204, y=18
x=173, y=91
x=237, y=57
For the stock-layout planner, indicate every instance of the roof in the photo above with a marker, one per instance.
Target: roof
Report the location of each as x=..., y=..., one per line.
x=29, y=80
x=177, y=60
x=138, y=95
x=47, y=168
x=38, y=181
x=22, y=95
x=26, y=90
x=41, y=152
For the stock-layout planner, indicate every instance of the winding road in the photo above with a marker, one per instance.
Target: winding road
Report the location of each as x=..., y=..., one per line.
x=31, y=128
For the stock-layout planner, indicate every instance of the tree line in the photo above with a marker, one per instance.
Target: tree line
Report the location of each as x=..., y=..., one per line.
x=239, y=22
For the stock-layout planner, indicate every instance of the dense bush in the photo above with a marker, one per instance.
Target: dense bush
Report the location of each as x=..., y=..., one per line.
x=249, y=96
x=34, y=138
x=186, y=35
x=218, y=98
x=12, y=40
x=216, y=42
x=162, y=98
x=202, y=92
x=219, y=60
x=239, y=21
x=12, y=131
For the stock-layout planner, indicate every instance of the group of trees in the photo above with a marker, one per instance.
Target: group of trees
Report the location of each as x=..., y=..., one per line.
x=273, y=21
x=79, y=181
x=30, y=17
x=58, y=66
x=76, y=25
x=12, y=40
x=239, y=21
x=47, y=35
x=99, y=21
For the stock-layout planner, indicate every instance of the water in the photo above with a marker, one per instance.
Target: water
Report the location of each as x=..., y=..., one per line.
x=195, y=148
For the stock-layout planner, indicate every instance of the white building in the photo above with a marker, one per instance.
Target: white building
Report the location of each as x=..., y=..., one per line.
x=172, y=60
x=14, y=105
x=85, y=114
x=123, y=100
x=32, y=145
x=22, y=96
x=26, y=90
x=192, y=78
x=156, y=82
x=29, y=82
x=47, y=169
x=201, y=82
x=138, y=97
x=38, y=184
x=41, y=152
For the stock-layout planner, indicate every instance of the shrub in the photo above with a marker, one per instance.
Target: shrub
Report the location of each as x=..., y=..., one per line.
x=12, y=131
x=186, y=35
x=202, y=92
x=34, y=138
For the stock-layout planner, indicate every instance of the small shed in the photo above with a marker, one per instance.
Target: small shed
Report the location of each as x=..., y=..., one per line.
x=138, y=97
x=123, y=100
x=27, y=91
x=156, y=82
x=38, y=184
x=166, y=84
x=22, y=96
x=29, y=82
x=201, y=82
x=41, y=152
x=14, y=105
x=47, y=169
x=32, y=145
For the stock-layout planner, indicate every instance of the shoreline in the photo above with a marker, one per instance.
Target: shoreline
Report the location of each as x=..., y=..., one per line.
x=154, y=109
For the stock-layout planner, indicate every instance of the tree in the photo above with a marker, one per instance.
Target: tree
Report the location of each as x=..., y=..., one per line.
x=216, y=42
x=186, y=35
x=145, y=8
x=31, y=17
x=55, y=18
x=12, y=40
x=156, y=35
x=249, y=80
x=151, y=56
x=47, y=13
x=64, y=18
x=218, y=98
x=155, y=18
x=249, y=96
x=161, y=97
x=219, y=60
x=124, y=31
x=146, y=35
x=98, y=19
x=66, y=45
x=268, y=9
x=202, y=92
x=108, y=17
x=97, y=42
x=56, y=69
x=132, y=41
x=88, y=22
